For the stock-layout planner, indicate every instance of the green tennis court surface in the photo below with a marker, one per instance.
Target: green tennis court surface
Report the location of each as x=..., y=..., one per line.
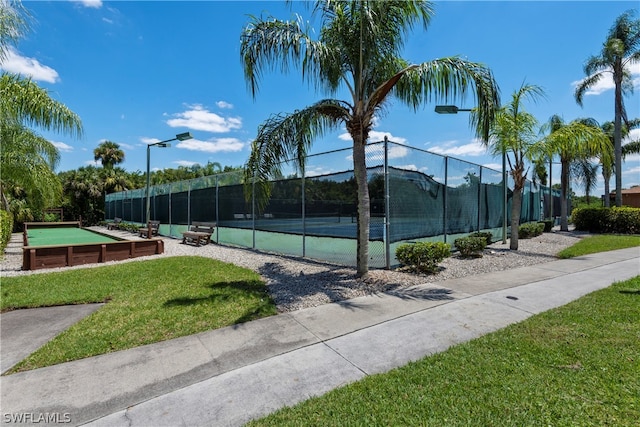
x=64, y=236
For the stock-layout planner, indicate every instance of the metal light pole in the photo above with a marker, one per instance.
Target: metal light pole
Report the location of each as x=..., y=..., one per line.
x=452, y=109
x=179, y=137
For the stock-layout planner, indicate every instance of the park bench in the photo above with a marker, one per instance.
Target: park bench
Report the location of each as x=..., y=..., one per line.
x=115, y=225
x=199, y=232
x=150, y=230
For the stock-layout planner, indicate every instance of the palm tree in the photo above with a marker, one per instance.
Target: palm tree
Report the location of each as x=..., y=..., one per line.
x=586, y=173
x=23, y=103
x=13, y=25
x=27, y=161
x=606, y=161
x=357, y=49
x=619, y=51
x=580, y=139
x=109, y=154
x=514, y=134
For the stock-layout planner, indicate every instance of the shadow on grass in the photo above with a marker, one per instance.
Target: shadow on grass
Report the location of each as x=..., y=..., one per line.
x=226, y=292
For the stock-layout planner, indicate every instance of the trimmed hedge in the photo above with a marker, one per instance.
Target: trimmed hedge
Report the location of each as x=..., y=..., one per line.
x=6, y=227
x=471, y=246
x=548, y=225
x=484, y=234
x=623, y=220
x=423, y=256
x=530, y=229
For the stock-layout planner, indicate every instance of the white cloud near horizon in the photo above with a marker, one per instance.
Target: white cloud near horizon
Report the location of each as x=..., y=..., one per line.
x=31, y=67
x=376, y=136
x=451, y=148
x=185, y=163
x=606, y=82
x=215, y=145
x=199, y=118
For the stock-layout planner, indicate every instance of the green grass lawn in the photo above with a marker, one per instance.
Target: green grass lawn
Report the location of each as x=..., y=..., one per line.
x=577, y=365
x=148, y=301
x=600, y=243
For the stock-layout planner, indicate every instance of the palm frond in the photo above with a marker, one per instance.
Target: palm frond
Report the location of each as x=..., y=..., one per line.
x=285, y=138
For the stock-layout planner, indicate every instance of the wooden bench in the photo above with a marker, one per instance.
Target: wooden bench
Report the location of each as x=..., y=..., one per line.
x=150, y=230
x=199, y=232
x=115, y=225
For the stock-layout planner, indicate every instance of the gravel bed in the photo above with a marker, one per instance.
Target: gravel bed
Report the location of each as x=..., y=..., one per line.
x=296, y=283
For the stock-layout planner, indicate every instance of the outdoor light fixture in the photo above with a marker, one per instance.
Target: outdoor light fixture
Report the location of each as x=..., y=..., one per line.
x=163, y=144
x=449, y=109
x=453, y=109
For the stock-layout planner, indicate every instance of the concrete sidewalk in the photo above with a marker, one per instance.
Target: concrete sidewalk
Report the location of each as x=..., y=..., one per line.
x=232, y=375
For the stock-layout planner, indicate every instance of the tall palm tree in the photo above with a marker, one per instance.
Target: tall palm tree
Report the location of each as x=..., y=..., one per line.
x=24, y=104
x=109, y=154
x=619, y=51
x=577, y=140
x=358, y=50
x=514, y=134
x=607, y=161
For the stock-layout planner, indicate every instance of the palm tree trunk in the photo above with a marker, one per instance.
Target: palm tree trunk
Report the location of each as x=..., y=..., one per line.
x=606, y=175
x=360, y=171
x=617, y=138
x=564, y=187
x=516, y=207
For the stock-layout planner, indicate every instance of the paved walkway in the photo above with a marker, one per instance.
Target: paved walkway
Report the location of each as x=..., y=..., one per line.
x=229, y=376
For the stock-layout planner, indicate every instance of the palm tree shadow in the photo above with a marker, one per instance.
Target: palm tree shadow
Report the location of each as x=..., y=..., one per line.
x=334, y=285
x=220, y=296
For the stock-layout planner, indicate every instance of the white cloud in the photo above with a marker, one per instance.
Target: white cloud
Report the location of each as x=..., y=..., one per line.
x=450, y=148
x=224, y=105
x=186, y=163
x=148, y=140
x=494, y=166
x=107, y=20
x=94, y=4
x=18, y=64
x=606, y=82
x=199, y=118
x=376, y=136
x=62, y=146
x=216, y=145
x=93, y=163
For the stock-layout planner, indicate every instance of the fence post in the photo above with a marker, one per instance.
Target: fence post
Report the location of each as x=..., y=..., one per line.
x=444, y=198
x=304, y=212
x=479, y=198
x=387, y=200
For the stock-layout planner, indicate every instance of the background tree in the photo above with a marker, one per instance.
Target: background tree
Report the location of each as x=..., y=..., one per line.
x=109, y=154
x=578, y=140
x=358, y=50
x=619, y=51
x=514, y=133
x=586, y=173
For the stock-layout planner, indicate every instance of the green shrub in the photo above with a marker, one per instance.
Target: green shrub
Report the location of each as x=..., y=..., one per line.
x=484, y=234
x=623, y=220
x=548, y=225
x=6, y=227
x=530, y=229
x=471, y=246
x=423, y=256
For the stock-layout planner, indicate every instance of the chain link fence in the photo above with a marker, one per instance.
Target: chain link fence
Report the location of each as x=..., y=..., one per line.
x=415, y=195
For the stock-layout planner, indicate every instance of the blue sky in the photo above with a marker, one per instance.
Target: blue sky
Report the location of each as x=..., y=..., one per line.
x=141, y=72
